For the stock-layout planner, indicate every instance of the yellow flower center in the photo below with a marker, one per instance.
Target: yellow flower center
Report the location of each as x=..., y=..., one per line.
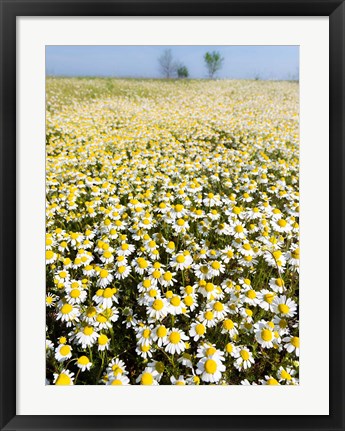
x=251, y=294
x=171, y=245
x=209, y=287
x=65, y=350
x=91, y=312
x=295, y=253
x=147, y=379
x=108, y=293
x=295, y=341
x=272, y=382
x=180, y=258
x=210, y=351
x=215, y=265
x=75, y=293
x=228, y=324
x=83, y=360
x=189, y=290
x=266, y=335
x=200, y=329
x=218, y=306
x=175, y=337
x=146, y=333
x=188, y=300
x=63, y=379
x=285, y=375
x=268, y=297
x=283, y=308
x=244, y=355
x=142, y=263
x=167, y=276
x=66, y=308
x=229, y=348
x=49, y=254
x=175, y=301
x=104, y=273
x=147, y=283
x=101, y=318
x=161, y=331
x=103, y=340
x=156, y=274
x=121, y=269
x=158, y=304
x=277, y=254
x=210, y=366
x=208, y=315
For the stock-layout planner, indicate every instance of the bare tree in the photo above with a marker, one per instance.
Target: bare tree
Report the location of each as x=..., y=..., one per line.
x=167, y=64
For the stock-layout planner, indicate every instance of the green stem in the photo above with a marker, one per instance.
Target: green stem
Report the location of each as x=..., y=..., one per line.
x=76, y=377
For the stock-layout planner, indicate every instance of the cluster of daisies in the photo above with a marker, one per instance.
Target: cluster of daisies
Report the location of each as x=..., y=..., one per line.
x=172, y=243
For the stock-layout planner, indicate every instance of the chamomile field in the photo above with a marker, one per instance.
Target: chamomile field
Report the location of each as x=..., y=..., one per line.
x=172, y=235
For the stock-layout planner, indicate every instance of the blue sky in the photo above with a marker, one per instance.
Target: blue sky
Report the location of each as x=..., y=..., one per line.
x=240, y=62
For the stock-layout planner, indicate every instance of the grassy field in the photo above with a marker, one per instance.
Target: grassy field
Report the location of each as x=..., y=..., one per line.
x=172, y=236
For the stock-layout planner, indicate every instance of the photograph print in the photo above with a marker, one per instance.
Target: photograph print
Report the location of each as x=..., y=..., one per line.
x=172, y=215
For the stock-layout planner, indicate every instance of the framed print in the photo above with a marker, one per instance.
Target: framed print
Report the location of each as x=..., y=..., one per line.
x=171, y=215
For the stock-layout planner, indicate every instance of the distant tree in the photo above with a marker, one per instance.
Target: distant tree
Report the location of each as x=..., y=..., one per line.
x=182, y=71
x=167, y=64
x=214, y=62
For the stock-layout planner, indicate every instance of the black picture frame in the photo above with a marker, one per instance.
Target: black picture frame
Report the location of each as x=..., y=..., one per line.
x=10, y=9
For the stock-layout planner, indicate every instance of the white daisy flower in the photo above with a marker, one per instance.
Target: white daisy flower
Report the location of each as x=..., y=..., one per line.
x=244, y=358
x=157, y=308
x=68, y=313
x=284, y=306
x=87, y=336
x=84, y=363
x=105, y=278
x=63, y=352
x=148, y=377
x=264, y=334
x=118, y=380
x=210, y=370
x=175, y=342
x=65, y=378
x=292, y=344
x=160, y=335
x=197, y=330
x=181, y=261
